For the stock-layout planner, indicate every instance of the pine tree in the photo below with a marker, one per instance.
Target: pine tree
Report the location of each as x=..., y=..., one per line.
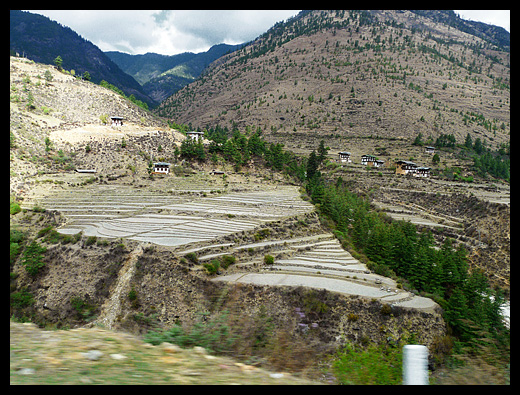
x=312, y=165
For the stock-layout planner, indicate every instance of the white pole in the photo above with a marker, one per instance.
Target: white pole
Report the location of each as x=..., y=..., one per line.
x=415, y=365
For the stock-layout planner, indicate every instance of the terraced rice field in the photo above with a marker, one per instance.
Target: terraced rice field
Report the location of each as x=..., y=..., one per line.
x=167, y=219
x=319, y=261
x=194, y=223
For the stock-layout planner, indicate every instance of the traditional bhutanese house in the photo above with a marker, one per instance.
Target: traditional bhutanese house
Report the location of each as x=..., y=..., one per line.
x=195, y=135
x=117, y=121
x=379, y=163
x=422, y=172
x=344, y=157
x=429, y=150
x=405, y=167
x=368, y=160
x=216, y=172
x=161, y=168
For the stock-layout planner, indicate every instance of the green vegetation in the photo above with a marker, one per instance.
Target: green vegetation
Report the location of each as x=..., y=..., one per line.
x=132, y=98
x=396, y=248
x=212, y=333
x=32, y=258
x=371, y=365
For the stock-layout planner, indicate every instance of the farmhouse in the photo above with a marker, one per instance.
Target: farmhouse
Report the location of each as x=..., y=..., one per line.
x=379, y=163
x=344, y=157
x=161, y=168
x=405, y=167
x=368, y=160
x=429, y=150
x=422, y=172
x=117, y=121
x=195, y=135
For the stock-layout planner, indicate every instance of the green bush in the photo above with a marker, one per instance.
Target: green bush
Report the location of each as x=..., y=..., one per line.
x=211, y=333
x=374, y=365
x=21, y=299
x=90, y=240
x=33, y=258
x=15, y=208
x=227, y=260
x=192, y=257
x=268, y=259
x=212, y=267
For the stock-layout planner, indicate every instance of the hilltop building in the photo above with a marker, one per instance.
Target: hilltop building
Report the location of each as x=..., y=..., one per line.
x=378, y=163
x=344, y=157
x=117, y=121
x=195, y=135
x=422, y=172
x=369, y=160
x=161, y=168
x=405, y=167
x=429, y=150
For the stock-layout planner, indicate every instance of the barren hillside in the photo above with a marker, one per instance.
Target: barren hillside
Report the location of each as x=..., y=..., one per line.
x=345, y=73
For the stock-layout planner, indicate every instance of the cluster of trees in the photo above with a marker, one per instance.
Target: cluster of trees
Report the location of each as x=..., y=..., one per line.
x=239, y=148
x=486, y=161
x=397, y=249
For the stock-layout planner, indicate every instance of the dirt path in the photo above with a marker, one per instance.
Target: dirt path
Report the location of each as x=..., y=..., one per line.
x=112, y=307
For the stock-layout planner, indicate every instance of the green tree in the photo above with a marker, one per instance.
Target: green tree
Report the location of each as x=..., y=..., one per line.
x=478, y=147
x=33, y=258
x=48, y=76
x=58, y=61
x=86, y=76
x=468, y=143
x=322, y=152
x=312, y=165
x=418, y=140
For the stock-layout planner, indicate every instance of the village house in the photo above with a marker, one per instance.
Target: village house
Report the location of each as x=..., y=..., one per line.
x=429, y=150
x=161, y=168
x=405, y=167
x=344, y=157
x=422, y=172
x=368, y=160
x=379, y=163
x=216, y=172
x=195, y=135
x=117, y=121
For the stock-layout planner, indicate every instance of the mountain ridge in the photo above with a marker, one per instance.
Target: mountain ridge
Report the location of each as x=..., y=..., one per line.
x=40, y=39
x=163, y=75
x=383, y=73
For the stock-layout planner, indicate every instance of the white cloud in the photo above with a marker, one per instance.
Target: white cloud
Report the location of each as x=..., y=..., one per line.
x=166, y=31
x=494, y=17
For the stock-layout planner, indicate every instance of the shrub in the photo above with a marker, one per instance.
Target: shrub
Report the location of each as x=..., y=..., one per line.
x=227, y=260
x=33, y=258
x=375, y=364
x=212, y=333
x=212, y=267
x=90, y=240
x=21, y=299
x=386, y=309
x=191, y=256
x=15, y=208
x=352, y=317
x=268, y=259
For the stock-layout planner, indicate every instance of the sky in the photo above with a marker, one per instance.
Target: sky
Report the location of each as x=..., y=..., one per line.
x=171, y=32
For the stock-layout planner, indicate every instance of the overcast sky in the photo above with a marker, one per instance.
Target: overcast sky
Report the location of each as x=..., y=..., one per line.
x=170, y=32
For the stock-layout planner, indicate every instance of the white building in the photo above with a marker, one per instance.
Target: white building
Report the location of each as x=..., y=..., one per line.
x=161, y=168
